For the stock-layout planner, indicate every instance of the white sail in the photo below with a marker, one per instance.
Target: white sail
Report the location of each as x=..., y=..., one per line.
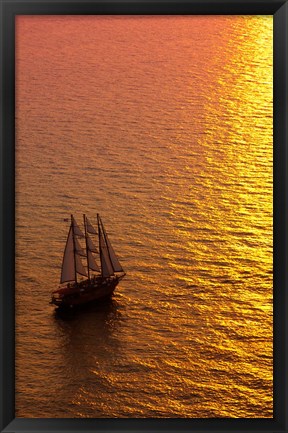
x=90, y=228
x=113, y=258
x=78, y=249
x=107, y=269
x=92, y=263
x=91, y=245
x=76, y=229
x=68, y=264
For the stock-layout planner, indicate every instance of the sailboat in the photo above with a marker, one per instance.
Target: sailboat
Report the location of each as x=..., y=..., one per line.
x=99, y=281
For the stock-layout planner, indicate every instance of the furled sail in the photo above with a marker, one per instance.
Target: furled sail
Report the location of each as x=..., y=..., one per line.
x=92, y=263
x=90, y=228
x=68, y=264
x=107, y=269
x=113, y=258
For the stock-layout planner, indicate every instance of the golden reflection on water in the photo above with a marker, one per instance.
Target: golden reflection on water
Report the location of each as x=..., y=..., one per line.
x=238, y=205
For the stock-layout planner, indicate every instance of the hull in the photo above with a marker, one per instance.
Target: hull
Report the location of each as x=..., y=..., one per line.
x=85, y=292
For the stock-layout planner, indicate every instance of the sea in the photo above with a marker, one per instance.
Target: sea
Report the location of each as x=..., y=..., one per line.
x=163, y=126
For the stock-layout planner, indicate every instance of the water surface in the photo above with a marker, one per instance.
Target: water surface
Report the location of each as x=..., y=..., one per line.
x=163, y=125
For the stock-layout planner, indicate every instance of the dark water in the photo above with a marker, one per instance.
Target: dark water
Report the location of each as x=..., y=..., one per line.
x=163, y=125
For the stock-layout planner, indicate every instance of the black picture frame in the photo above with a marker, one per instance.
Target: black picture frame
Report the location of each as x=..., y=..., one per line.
x=11, y=8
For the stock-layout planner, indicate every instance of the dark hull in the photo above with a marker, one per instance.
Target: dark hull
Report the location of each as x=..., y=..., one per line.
x=85, y=293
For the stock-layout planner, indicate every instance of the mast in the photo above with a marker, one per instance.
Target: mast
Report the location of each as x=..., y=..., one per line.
x=86, y=242
x=100, y=253
x=74, y=248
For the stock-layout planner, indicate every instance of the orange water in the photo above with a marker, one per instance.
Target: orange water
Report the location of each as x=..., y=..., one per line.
x=163, y=125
